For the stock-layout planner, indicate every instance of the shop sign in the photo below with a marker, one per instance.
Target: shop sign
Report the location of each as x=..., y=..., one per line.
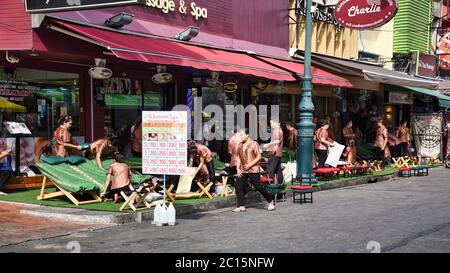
x=400, y=97
x=16, y=89
x=230, y=87
x=317, y=15
x=365, y=14
x=37, y=6
x=424, y=65
x=168, y=6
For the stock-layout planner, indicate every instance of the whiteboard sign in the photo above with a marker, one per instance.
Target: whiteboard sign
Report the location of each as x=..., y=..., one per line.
x=334, y=155
x=164, y=142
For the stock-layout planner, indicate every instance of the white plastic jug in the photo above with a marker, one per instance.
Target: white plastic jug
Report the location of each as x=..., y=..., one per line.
x=164, y=215
x=171, y=212
x=157, y=215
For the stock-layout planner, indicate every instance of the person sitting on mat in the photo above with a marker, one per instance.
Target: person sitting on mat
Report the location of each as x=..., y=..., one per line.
x=104, y=147
x=203, y=156
x=121, y=178
x=5, y=169
x=63, y=138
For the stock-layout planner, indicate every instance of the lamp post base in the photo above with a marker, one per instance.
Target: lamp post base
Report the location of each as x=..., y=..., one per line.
x=308, y=179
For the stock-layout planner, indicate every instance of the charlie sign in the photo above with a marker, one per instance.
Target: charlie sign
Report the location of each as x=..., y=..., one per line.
x=365, y=14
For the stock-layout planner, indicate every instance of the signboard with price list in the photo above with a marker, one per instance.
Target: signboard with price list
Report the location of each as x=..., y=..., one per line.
x=164, y=142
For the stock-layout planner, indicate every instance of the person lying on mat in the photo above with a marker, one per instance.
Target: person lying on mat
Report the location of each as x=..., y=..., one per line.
x=121, y=178
x=203, y=156
x=104, y=147
x=63, y=138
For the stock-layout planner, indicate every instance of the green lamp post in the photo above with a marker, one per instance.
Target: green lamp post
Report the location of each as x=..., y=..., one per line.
x=306, y=108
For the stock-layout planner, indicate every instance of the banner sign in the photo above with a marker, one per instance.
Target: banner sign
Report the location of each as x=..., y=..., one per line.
x=423, y=65
x=365, y=14
x=427, y=133
x=164, y=142
x=400, y=97
x=37, y=6
x=443, y=48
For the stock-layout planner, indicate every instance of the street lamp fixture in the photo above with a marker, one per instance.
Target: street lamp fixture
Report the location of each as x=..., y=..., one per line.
x=119, y=20
x=188, y=33
x=306, y=109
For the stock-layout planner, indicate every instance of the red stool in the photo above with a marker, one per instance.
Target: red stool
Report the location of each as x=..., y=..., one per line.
x=404, y=172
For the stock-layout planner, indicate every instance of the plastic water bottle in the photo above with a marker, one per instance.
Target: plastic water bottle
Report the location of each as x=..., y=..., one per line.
x=157, y=215
x=171, y=212
x=164, y=215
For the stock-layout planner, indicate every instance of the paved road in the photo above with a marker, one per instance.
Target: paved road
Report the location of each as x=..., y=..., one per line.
x=403, y=215
x=16, y=227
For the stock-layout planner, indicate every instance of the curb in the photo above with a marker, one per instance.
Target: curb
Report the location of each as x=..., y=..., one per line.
x=83, y=215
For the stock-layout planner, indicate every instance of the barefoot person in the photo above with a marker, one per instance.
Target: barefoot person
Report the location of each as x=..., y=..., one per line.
x=121, y=178
x=63, y=138
x=249, y=156
x=104, y=147
x=349, y=139
x=202, y=155
x=381, y=141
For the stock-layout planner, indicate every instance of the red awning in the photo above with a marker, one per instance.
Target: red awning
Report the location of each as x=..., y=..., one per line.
x=162, y=51
x=319, y=76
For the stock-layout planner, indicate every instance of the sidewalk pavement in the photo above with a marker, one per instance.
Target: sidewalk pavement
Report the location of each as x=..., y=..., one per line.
x=16, y=227
x=101, y=217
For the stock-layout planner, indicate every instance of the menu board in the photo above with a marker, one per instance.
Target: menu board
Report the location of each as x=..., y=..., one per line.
x=17, y=128
x=164, y=142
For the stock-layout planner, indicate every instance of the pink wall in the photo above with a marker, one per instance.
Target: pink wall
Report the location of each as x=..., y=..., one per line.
x=256, y=25
x=15, y=26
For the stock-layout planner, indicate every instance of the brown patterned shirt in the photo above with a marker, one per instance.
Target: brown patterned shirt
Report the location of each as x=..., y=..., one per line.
x=247, y=153
x=61, y=136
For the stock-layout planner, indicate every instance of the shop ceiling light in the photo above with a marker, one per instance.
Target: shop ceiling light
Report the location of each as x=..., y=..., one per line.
x=188, y=33
x=119, y=20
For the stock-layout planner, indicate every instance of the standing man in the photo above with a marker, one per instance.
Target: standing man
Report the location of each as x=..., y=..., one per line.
x=403, y=135
x=349, y=139
x=321, y=142
x=292, y=133
x=136, y=138
x=233, y=145
x=330, y=126
x=249, y=156
x=275, y=151
x=381, y=141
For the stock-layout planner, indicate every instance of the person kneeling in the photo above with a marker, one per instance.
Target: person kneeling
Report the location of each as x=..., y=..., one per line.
x=121, y=178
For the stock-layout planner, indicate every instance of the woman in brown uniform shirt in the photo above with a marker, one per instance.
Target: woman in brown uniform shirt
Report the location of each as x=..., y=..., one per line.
x=136, y=139
x=121, y=178
x=403, y=135
x=349, y=139
x=103, y=147
x=249, y=156
x=63, y=139
x=381, y=142
x=202, y=156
